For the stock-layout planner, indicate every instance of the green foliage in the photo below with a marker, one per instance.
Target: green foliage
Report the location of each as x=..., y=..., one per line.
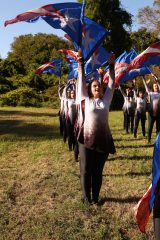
x=30, y=51
x=10, y=67
x=5, y=85
x=142, y=38
x=23, y=96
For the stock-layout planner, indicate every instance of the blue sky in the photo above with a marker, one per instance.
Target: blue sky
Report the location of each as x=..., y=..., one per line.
x=10, y=8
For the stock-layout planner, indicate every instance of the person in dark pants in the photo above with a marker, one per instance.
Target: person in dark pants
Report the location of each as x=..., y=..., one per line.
x=91, y=168
x=95, y=139
x=61, y=111
x=140, y=112
x=128, y=109
x=154, y=107
x=71, y=116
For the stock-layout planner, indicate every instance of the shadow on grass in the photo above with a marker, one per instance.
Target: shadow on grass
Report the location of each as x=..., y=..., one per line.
x=24, y=130
x=139, y=146
x=129, y=158
x=127, y=139
x=119, y=200
x=26, y=113
x=129, y=174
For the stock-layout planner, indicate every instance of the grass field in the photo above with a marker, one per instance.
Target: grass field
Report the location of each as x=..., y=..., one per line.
x=40, y=195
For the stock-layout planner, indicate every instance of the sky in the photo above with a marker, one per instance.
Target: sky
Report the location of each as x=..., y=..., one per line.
x=11, y=8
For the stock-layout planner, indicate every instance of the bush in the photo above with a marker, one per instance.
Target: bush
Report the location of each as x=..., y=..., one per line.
x=23, y=96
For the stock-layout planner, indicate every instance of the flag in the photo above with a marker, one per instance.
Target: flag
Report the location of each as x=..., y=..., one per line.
x=133, y=73
x=121, y=65
x=93, y=35
x=72, y=64
x=155, y=168
x=97, y=60
x=148, y=57
x=145, y=205
x=65, y=16
x=53, y=67
x=142, y=210
x=71, y=53
x=73, y=69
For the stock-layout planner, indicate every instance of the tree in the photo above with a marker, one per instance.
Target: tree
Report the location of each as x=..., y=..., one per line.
x=111, y=15
x=142, y=39
x=30, y=51
x=149, y=17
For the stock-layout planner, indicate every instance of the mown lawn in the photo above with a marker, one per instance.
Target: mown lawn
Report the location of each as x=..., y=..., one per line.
x=40, y=196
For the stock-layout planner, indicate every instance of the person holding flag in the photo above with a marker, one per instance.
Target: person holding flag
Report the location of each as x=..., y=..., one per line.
x=140, y=111
x=71, y=115
x=128, y=108
x=94, y=136
x=154, y=107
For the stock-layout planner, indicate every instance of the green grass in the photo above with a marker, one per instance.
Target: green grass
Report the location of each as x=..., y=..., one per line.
x=40, y=195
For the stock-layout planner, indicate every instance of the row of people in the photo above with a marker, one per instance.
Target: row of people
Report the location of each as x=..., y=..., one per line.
x=84, y=122
x=136, y=104
x=68, y=115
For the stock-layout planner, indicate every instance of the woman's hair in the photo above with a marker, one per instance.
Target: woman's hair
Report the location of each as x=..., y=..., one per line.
x=89, y=87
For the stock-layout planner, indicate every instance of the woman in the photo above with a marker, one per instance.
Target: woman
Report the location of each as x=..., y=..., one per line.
x=128, y=109
x=95, y=139
x=140, y=113
x=154, y=107
x=71, y=116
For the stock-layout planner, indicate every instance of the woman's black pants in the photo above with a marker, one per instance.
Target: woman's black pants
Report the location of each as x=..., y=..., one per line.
x=151, y=120
x=91, y=168
x=142, y=117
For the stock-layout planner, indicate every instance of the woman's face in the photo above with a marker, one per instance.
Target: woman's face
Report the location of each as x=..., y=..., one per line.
x=141, y=94
x=155, y=87
x=96, y=89
x=72, y=94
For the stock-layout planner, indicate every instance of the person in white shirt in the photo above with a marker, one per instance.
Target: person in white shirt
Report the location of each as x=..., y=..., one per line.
x=140, y=112
x=128, y=108
x=96, y=140
x=154, y=107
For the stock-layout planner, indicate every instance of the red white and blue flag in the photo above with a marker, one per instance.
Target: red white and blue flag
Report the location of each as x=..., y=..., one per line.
x=121, y=65
x=97, y=60
x=73, y=67
x=93, y=35
x=145, y=204
x=151, y=56
x=70, y=53
x=65, y=16
x=53, y=67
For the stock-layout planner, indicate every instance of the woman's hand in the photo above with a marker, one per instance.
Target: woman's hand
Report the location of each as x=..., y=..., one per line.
x=100, y=71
